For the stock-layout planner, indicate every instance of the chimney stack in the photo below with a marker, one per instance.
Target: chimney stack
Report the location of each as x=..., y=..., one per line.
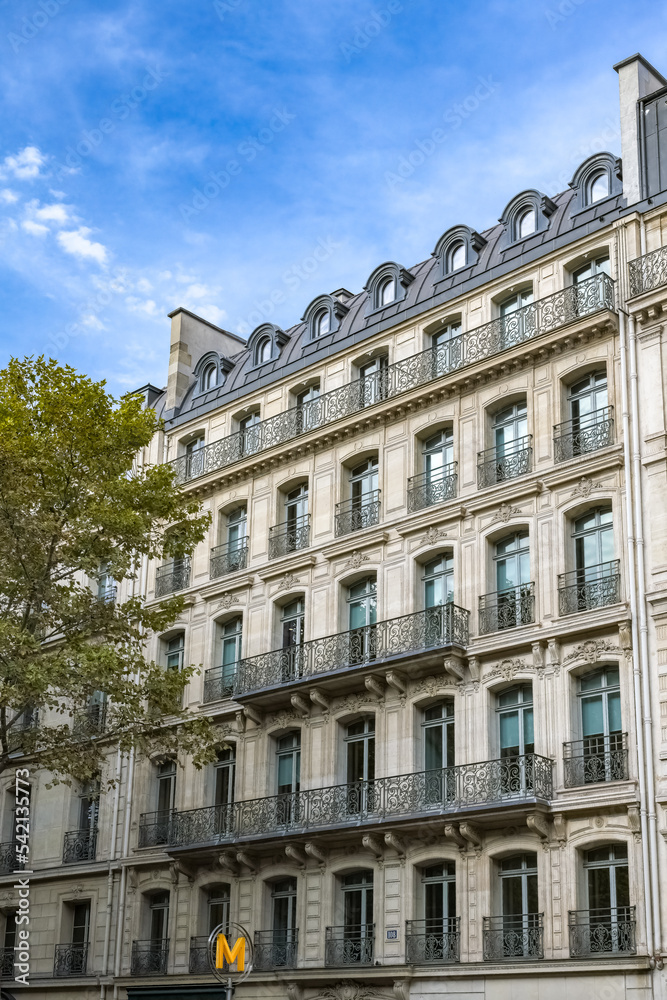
x=636, y=80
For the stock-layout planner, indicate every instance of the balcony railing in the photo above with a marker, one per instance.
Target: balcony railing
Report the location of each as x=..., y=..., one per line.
x=219, y=682
x=290, y=536
x=7, y=959
x=357, y=513
x=155, y=827
x=596, y=759
x=606, y=931
x=70, y=960
x=172, y=577
x=275, y=949
x=433, y=941
x=513, y=937
x=79, y=846
x=444, y=625
x=507, y=608
x=199, y=962
x=8, y=858
x=496, y=465
x=405, y=796
x=228, y=559
x=589, y=587
x=501, y=334
x=349, y=945
x=149, y=958
x=587, y=433
x=90, y=722
x=430, y=488
x=27, y=723
x=648, y=272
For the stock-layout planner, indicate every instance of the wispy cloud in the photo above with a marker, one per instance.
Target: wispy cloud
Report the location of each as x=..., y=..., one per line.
x=25, y=165
x=76, y=242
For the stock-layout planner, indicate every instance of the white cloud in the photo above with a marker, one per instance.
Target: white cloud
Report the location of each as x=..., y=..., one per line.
x=34, y=228
x=52, y=213
x=9, y=197
x=143, y=285
x=26, y=164
x=77, y=243
x=197, y=291
x=91, y=320
x=213, y=314
x=165, y=275
x=147, y=306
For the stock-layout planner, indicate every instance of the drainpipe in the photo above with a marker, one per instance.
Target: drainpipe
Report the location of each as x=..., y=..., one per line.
x=112, y=856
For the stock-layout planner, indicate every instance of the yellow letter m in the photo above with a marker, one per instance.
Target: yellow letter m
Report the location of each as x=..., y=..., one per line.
x=223, y=953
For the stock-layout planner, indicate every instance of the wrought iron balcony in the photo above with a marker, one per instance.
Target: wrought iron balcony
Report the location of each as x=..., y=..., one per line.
x=8, y=858
x=70, y=960
x=444, y=625
x=507, y=781
x=27, y=723
x=349, y=945
x=433, y=941
x=648, y=272
x=589, y=587
x=496, y=465
x=7, y=959
x=228, y=558
x=198, y=963
x=548, y=314
x=107, y=595
x=219, y=682
x=290, y=536
x=275, y=949
x=513, y=937
x=155, y=827
x=587, y=433
x=149, y=958
x=79, y=846
x=607, y=931
x=429, y=488
x=507, y=608
x=90, y=722
x=357, y=513
x=596, y=759
x=172, y=577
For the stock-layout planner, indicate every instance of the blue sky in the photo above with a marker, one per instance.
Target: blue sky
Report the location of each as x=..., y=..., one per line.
x=196, y=154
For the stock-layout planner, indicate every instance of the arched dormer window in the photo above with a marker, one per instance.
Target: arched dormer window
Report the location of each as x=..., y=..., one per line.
x=324, y=315
x=211, y=371
x=265, y=343
x=596, y=179
x=457, y=249
x=526, y=214
x=209, y=377
x=386, y=285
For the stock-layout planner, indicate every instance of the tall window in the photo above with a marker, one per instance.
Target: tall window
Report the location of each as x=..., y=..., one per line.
x=283, y=902
x=517, y=322
x=234, y=531
x=518, y=893
x=308, y=407
x=250, y=439
x=7, y=957
x=80, y=936
x=599, y=265
x=438, y=452
x=439, y=901
x=360, y=753
x=231, y=643
x=288, y=752
x=358, y=917
x=510, y=427
x=89, y=803
x=364, y=485
x=373, y=382
x=296, y=515
x=174, y=652
x=590, y=417
x=517, y=739
x=593, y=542
x=362, y=616
x=217, y=907
x=159, y=917
x=166, y=788
x=292, y=627
x=225, y=771
x=610, y=920
x=514, y=599
x=446, y=349
x=439, y=745
x=106, y=585
x=194, y=456
x=604, y=756
x=439, y=581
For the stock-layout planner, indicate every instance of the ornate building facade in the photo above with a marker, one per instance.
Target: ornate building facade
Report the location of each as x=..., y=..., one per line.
x=431, y=619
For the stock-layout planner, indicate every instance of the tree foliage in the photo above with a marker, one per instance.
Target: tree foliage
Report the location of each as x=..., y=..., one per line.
x=75, y=495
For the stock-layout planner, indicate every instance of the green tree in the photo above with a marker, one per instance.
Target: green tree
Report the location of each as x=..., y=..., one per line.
x=74, y=496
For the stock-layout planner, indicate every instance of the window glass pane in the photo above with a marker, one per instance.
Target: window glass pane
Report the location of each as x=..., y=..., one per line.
x=599, y=187
x=599, y=888
x=622, y=885
x=509, y=731
x=457, y=257
x=528, y=735
x=433, y=757
x=614, y=709
x=592, y=716
x=527, y=223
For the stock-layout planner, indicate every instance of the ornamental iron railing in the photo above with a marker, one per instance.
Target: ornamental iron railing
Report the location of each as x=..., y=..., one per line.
x=444, y=625
x=607, y=931
x=357, y=513
x=429, y=488
x=108, y=595
x=27, y=723
x=155, y=828
x=447, y=790
x=199, y=963
x=432, y=941
x=275, y=949
x=586, y=433
x=353, y=944
x=70, y=960
x=219, y=682
x=648, y=272
x=596, y=759
x=589, y=587
x=507, y=608
x=172, y=577
x=228, y=558
x=90, y=722
x=290, y=536
x=496, y=465
x=149, y=958
x=79, y=845
x=8, y=858
x=7, y=959
x=501, y=334
x=513, y=937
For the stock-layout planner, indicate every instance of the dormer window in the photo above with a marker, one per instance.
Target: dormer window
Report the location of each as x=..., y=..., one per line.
x=526, y=224
x=456, y=249
x=386, y=285
x=209, y=378
x=322, y=323
x=456, y=257
x=263, y=351
x=598, y=187
x=596, y=179
x=211, y=371
x=387, y=292
x=527, y=213
x=265, y=343
x=323, y=316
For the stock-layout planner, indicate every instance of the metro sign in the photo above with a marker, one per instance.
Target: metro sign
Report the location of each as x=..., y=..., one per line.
x=230, y=954
x=223, y=953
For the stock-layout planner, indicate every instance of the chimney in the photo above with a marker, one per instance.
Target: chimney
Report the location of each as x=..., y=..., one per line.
x=191, y=338
x=636, y=80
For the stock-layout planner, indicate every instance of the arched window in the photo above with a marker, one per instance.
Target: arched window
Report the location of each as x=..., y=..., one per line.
x=263, y=353
x=456, y=258
x=598, y=187
x=526, y=223
x=387, y=292
x=322, y=323
x=209, y=378
x=435, y=938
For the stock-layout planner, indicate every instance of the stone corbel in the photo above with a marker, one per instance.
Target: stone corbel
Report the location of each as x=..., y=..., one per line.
x=244, y=858
x=241, y=721
x=294, y=852
x=474, y=668
x=373, y=844
x=396, y=680
x=253, y=714
x=560, y=827
x=634, y=821
x=316, y=852
x=472, y=834
x=553, y=653
x=538, y=655
x=227, y=860
x=395, y=842
x=178, y=868
x=374, y=686
x=454, y=667
x=452, y=833
x=300, y=705
x=539, y=824
x=320, y=699
x=625, y=636
x=401, y=989
x=294, y=991
x=132, y=879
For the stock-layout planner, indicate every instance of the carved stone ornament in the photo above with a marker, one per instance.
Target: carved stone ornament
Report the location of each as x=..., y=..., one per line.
x=591, y=650
x=432, y=685
x=227, y=600
x=585, y=487
x=433, y=535
x=351, y=990
x=283, y=719
x=506, y=669
x=288, y=581
x=505, y=512
x=356, y=559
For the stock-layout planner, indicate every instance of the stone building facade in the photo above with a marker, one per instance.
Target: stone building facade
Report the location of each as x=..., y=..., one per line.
x=431, y=619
